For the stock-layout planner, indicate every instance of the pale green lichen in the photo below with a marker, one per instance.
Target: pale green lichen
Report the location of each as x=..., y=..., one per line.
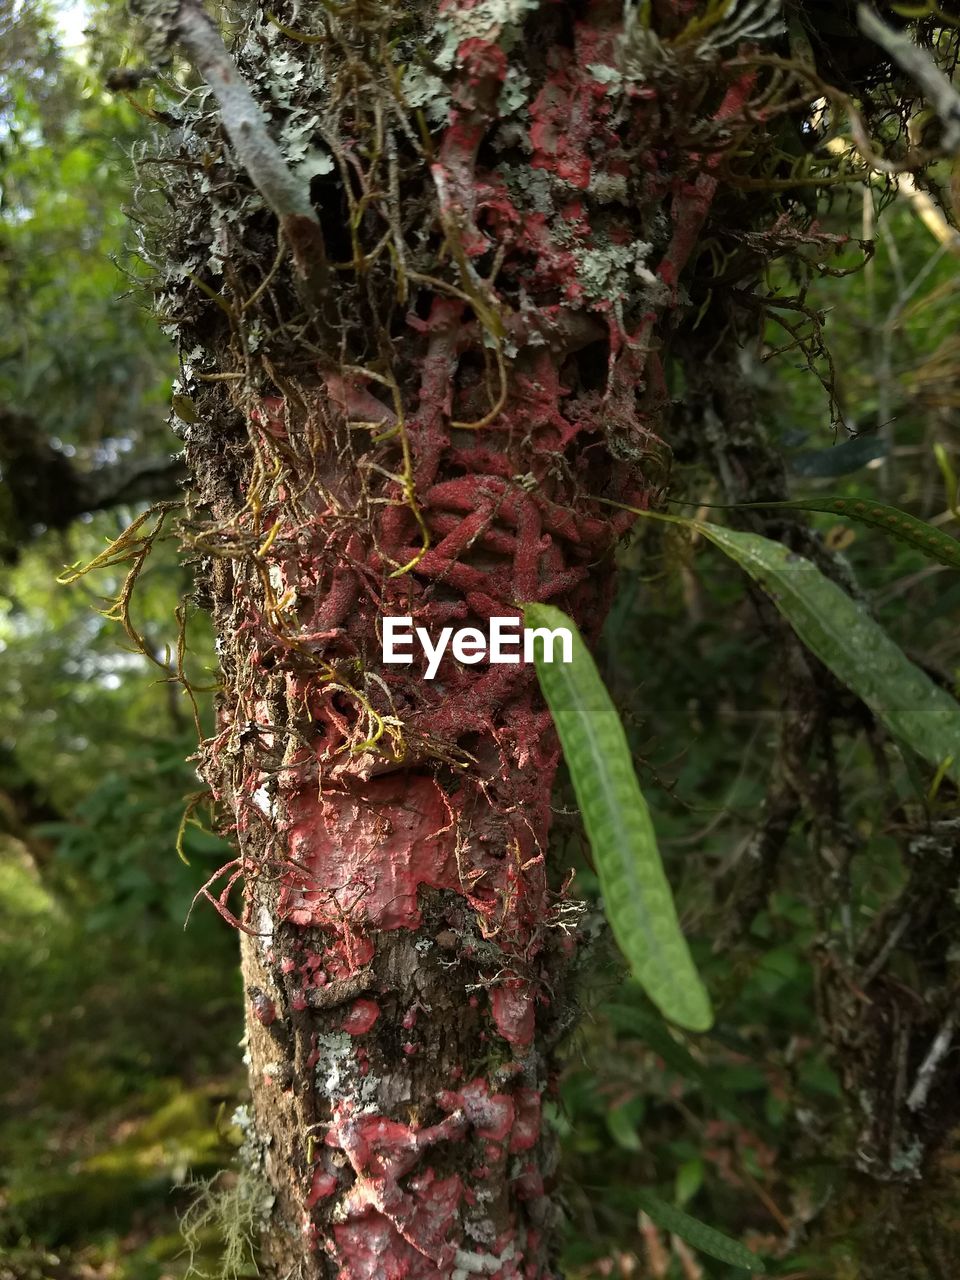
x=610, y=271
x=338, y=1072
x=315, y=163
x=286, y=71
x=424, y=91
x=298, y=138
x=606, y=74
x=907, y=1160
x=514, y=93
x=608, y=188
x=499, y=21
x=234, y=1206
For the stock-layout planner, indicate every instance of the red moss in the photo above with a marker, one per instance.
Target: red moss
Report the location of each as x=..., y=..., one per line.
x=526, y=1129
x=491, y=1115
x=351, y=862
x=313, y=1057
x=571, y=111
x=483, y=67
x=528, y=1185
x=369, y=1248
x=263, y=1009
x=512, y=1119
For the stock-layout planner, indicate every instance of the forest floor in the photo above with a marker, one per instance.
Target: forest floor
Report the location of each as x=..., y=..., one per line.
x=119, y=1075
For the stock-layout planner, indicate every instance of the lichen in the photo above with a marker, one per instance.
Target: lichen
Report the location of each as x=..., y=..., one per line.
x=234, y=1206
x=339, y=1075
x=610, y=271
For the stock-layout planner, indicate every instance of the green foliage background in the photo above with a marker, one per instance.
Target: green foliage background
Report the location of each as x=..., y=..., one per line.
x=120, y=1069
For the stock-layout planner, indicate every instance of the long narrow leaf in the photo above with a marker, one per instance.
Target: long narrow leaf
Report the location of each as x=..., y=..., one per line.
x=855, y=648
x=950, y=479
x=706, y=1239
x=933, y=542
x=637, y=897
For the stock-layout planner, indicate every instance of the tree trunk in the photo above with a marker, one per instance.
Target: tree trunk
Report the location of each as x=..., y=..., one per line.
x=428, y=403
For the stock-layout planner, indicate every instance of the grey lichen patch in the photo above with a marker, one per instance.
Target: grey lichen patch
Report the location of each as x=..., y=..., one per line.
x=286, y=73
x=497, y=21
x=906, y=1161
x=530, y=188
x=242, y=116
x=605, y=74
x=338, y=1074
x=317, y=162
x=609, y=188
x=610, y=271
x=298, y=136
x=492, y=20
x=425, y=91
x=515, y=92
x=468, y=1265
x=482, y=1230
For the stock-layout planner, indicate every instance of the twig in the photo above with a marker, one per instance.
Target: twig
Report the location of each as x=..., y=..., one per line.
x=883, y=954
x=928, y=1068
x=918, y=64
x=245, y=123
x=243, y=119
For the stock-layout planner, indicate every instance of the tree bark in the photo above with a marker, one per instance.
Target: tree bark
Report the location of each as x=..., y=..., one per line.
x=432, y=402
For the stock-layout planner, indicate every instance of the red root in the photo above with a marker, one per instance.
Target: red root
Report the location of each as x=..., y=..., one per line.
x=381, y=1152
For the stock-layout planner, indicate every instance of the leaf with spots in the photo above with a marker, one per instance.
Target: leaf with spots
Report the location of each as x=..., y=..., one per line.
x=707, y=1239
x=925, y=537
x=841, y=633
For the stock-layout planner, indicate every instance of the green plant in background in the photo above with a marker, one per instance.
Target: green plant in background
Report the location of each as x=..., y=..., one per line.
x=702, y=1237
x=841, y=633
x=637, y=899
x=837, y=629
x=108, y=1099
x=746, y=1126
x=933, y=542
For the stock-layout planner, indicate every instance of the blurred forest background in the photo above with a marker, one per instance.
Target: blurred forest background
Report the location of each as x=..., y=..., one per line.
x=120, y=1070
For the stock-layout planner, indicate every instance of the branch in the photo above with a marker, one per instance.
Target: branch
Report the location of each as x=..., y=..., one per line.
x=134, y=480
x=246, y=126
x=928, y=1068
x=939, y=92
x=245, y=123
x=42, y=489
